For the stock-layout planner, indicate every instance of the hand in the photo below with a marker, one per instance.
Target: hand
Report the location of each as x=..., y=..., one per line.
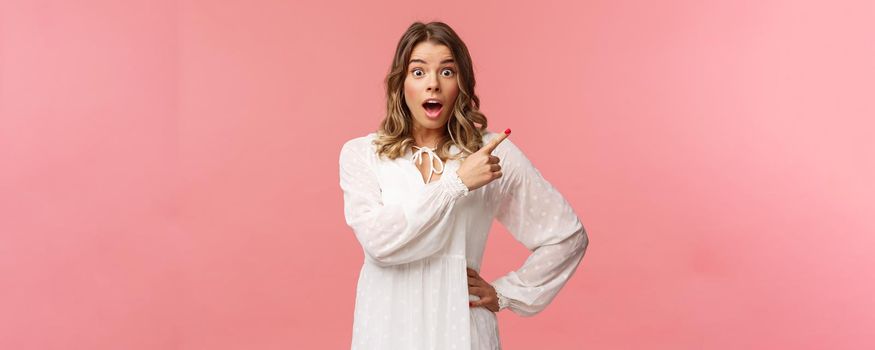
x=481, y=167
x=479, y=287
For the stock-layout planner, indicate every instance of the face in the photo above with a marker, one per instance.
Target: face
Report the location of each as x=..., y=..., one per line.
x=431, y=86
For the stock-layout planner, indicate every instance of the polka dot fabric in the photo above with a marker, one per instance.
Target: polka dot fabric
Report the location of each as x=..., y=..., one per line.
x=418, y=238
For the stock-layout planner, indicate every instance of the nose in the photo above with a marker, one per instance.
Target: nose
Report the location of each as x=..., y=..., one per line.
x=433, y=84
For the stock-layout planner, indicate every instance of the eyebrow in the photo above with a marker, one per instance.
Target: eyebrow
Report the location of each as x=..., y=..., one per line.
x=417, y=60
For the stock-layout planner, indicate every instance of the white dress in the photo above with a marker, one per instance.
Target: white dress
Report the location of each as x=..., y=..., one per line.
x=418, y=238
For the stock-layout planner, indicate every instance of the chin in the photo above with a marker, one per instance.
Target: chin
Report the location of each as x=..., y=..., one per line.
x=432, y=124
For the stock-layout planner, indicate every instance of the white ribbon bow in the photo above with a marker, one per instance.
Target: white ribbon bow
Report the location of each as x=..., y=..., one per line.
x=417, y=158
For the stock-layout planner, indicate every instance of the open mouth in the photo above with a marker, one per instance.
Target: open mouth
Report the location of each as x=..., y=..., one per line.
x=432, y=108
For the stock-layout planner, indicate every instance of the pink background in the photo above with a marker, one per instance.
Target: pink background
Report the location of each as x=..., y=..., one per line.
x=168, y=169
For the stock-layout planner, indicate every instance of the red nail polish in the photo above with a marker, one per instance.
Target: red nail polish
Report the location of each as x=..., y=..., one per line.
x=507, y=132
x=470, y=304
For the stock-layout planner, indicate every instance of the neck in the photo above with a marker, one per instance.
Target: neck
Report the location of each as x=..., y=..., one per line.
x=423, y=137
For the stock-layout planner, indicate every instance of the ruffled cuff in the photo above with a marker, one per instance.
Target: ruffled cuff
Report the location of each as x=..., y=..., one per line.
x=453, y=184
x=503, y=302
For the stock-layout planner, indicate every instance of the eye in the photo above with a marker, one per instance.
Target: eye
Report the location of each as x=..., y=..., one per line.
x=447, y=72
x=417, y=72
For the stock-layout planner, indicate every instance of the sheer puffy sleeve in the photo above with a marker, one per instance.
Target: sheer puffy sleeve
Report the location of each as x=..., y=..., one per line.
x=537, y=216
x=400, y=233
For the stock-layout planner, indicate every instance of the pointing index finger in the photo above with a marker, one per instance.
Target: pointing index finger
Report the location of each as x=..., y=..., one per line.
x=494, y=143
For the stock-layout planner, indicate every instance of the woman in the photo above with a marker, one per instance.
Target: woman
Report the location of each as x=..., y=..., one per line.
x=420, y=195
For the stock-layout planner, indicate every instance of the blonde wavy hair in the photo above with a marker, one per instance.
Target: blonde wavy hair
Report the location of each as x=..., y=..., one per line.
x=394, y=136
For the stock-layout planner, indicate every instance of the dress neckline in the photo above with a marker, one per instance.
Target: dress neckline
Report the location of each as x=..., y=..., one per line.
x=418, y=157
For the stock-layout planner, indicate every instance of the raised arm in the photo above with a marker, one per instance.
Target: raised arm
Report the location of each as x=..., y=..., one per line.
x=400, y=233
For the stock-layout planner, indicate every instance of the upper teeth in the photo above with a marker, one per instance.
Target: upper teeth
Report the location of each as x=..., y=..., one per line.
x=431, y=101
